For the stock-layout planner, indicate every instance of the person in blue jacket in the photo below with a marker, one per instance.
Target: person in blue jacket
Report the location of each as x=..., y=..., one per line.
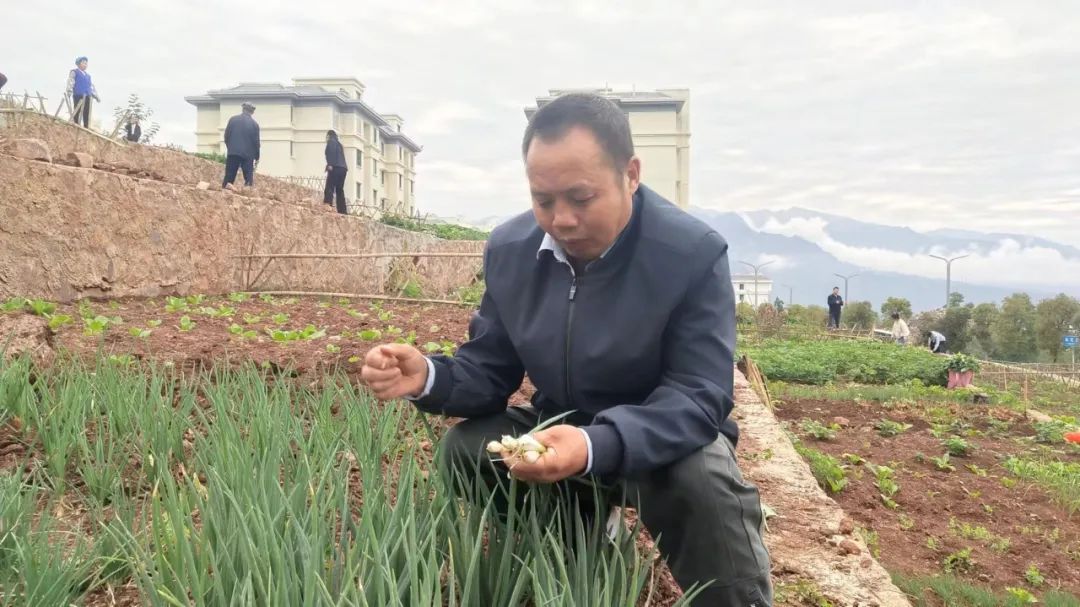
x=80, y=88
x=619, y=307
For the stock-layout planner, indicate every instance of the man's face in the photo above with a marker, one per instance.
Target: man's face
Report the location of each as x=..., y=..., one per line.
x=577, y=196
x=82, y=65
x=836, y=291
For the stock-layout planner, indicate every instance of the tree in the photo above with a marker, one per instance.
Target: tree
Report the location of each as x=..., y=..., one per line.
x=859, y=314
x=896, y=305
x=982, y=322
x=778, y=304
x=1014, y=328
x=744, y=313
x=955, y=325
x=137, y=109
x=1052, y=319
x=810, y=316
x=955, y=299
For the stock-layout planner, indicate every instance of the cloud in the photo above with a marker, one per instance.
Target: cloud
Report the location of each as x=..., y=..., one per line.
x=1007, y=263
x=446, y=117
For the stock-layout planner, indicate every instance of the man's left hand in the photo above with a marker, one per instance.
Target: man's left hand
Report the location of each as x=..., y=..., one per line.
x=567, y=455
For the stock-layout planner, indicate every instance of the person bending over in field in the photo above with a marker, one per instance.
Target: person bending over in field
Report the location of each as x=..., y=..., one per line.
x=620, y=308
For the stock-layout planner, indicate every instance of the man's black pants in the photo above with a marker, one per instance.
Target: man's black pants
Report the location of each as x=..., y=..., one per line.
x=335, y=186
x=82, y=114
x=233, y=163
x=708, y=519
x=834, y=319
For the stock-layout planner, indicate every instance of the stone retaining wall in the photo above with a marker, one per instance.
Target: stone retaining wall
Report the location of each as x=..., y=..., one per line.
x=71, y=232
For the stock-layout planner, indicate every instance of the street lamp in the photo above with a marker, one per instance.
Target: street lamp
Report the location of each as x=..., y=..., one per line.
x=846, y=278
x=790, y=297
x=757, y=269
x=948, y=274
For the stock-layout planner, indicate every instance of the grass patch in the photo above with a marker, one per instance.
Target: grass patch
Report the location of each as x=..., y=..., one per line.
x=826, y=468
x=448, y=231
x=929, y=591
x=1061, y=479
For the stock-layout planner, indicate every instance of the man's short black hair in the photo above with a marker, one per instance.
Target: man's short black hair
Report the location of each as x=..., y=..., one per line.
x=601, y=116
x=836, y=288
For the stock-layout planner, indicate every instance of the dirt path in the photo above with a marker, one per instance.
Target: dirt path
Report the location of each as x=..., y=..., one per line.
x=811, y=540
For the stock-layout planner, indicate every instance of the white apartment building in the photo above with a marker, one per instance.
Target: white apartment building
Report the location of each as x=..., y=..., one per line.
x=293, y=121
x=660, y=127
x=751, y=290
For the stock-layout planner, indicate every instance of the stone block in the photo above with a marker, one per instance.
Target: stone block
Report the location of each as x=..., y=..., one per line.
x=80, y=159
x=31, y=149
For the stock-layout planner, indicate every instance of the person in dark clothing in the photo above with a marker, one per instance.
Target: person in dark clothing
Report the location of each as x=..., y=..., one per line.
x=336, y=168
x=80, y=88
x=132, y=130
x=242, y=146
x=3, y=81
x=619, y=306
x=836, y=305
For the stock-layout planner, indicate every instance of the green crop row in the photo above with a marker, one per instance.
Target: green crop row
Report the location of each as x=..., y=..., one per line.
x=865, y=362
x=228, y=488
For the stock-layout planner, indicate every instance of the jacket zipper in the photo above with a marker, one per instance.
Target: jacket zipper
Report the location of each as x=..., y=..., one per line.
x=569, y=324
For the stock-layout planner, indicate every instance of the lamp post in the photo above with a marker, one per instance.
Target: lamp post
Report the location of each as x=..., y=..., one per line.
x=757, y=269
x=846, y=278
x=948, y=274
x=790, y=297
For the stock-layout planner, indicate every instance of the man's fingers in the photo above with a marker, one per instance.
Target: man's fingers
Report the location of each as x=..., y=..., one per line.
x=371, y=375
x=384, y=385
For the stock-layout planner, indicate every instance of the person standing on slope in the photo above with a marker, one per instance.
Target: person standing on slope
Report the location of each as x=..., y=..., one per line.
x=242, y=146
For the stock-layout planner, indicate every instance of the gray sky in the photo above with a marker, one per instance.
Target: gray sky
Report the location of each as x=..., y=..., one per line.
x=927, y=114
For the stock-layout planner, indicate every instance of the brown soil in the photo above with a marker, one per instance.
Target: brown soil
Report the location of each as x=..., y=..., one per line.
x=933, y=504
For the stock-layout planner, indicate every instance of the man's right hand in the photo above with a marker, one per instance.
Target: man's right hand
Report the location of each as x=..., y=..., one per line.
x=394, y=370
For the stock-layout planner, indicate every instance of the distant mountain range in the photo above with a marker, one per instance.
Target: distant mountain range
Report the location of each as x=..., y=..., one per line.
x=806, y=248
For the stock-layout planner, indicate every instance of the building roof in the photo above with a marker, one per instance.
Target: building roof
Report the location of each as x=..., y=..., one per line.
x=627, y=99
x=749, y=278
x=255, y=91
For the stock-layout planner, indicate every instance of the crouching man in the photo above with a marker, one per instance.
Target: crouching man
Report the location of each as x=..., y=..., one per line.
x=619, y=306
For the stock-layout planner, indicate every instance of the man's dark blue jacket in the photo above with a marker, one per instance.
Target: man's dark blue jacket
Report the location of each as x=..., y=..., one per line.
x=641, y=344
x=242, y=136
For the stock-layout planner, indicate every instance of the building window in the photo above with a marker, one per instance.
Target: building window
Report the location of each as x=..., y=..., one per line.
x=359, y=160
x=400, y=181
x=741, y=286
x=374, y=195
x=374, y=168
x=292, y=116
x=359, y=192
x=742, y=298
x=291, y=154
x=401, y=153
x=382, y=149
x=382, y=178
x=382, y=204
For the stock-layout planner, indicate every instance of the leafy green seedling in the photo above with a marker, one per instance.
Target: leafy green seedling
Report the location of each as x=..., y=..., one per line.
x=59, y=320
x=942, y=463
x=40, y=307
x=956, y=446
x=888, y=428
x=95, y=325
x=818, y=430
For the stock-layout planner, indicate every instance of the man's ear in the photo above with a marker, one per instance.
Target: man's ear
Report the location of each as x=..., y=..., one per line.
x=633, y=174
